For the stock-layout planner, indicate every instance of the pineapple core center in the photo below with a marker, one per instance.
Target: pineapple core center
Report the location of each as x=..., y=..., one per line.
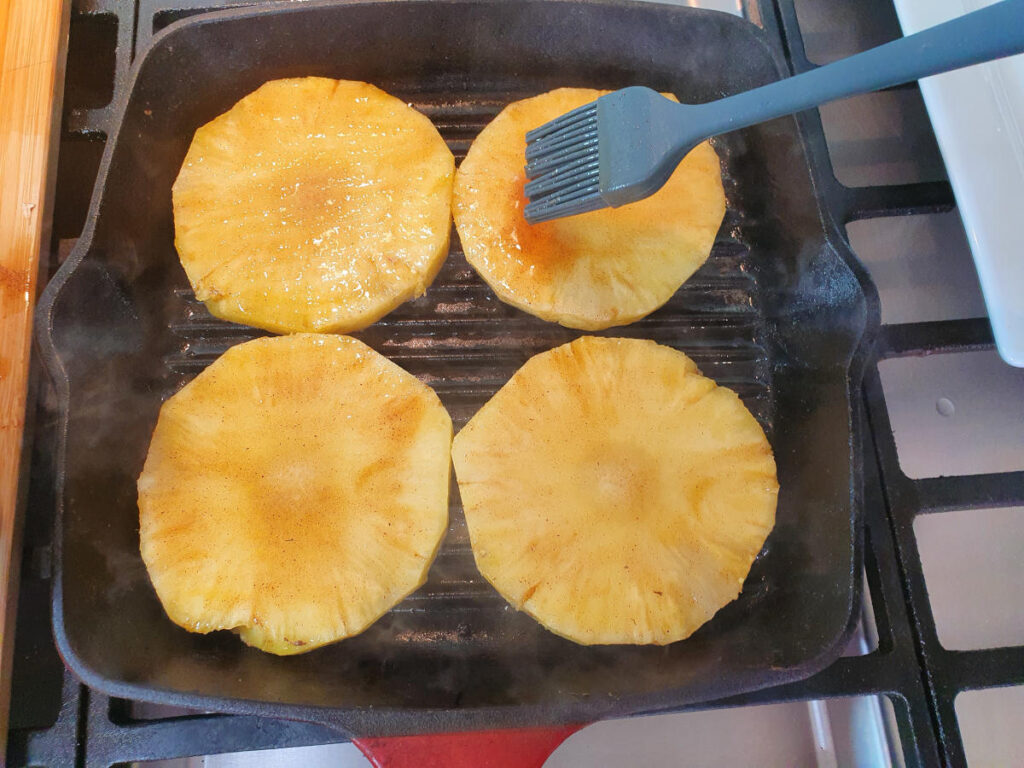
x=618, y=479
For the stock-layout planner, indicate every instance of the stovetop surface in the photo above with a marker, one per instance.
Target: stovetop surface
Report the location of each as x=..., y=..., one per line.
x=943, y=427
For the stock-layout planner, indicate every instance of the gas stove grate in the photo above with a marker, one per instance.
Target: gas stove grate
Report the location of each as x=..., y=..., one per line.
x=944, y=673
x=56, y=721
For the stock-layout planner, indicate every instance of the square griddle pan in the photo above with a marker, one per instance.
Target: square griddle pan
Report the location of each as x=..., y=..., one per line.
x=781, y=313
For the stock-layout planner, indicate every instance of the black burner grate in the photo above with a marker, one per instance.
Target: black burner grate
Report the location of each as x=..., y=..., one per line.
x=944, y=673
x=58, y=722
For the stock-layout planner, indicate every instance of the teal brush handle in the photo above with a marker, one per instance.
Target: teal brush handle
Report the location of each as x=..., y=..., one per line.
x=984, y=35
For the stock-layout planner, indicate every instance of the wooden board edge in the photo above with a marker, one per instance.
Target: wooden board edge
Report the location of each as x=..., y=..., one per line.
x=33, y=53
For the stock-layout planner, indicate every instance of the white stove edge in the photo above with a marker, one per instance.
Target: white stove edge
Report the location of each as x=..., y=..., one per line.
x=978, y=116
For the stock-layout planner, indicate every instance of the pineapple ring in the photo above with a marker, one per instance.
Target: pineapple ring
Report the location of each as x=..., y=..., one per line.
x=615, y=494
x=294, y=491
x=313, y=205
x=592, y=271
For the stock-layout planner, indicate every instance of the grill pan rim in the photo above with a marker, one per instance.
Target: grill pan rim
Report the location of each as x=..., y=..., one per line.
x=363, y=721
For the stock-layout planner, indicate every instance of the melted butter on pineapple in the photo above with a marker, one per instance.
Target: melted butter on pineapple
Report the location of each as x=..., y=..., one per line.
x=313, y=205
x=591, y=271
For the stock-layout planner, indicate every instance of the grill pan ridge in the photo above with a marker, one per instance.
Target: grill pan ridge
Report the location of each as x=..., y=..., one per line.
x=781, y=313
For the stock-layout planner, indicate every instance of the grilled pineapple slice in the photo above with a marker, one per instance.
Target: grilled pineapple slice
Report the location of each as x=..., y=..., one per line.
x=313, y=205
x=615, y=494
x=592, y=271
x=294, y=491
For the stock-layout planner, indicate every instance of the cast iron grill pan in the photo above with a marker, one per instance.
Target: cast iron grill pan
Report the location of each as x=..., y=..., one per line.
x=778, y=313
